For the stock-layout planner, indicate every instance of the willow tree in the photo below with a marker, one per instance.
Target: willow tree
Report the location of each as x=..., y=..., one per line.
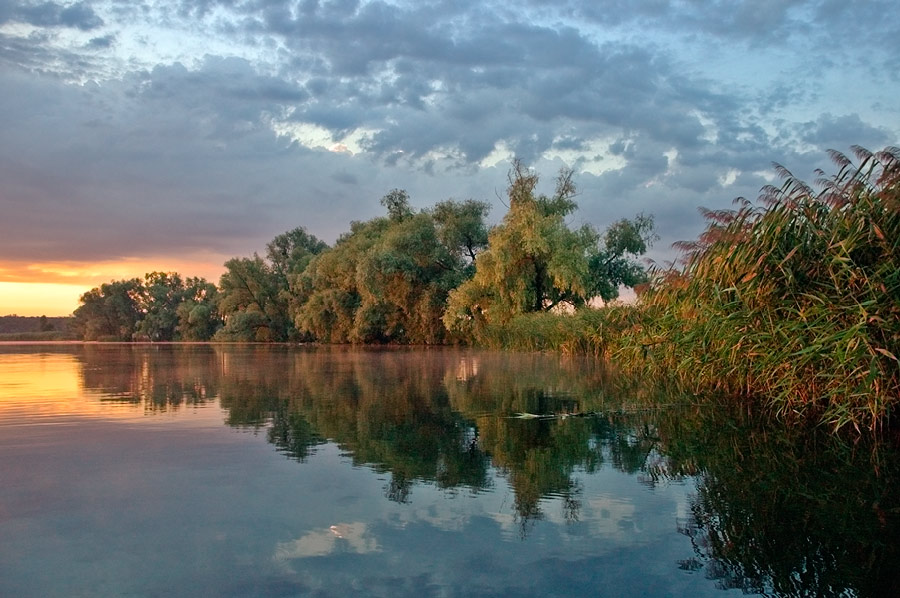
x=110, y=312
x=330, y=285
x=535, y=262
x=257, y=294
x=387, y=280
x=461, y=227
x=404, y=281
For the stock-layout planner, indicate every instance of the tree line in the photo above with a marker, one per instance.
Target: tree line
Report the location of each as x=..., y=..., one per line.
x=429, y=276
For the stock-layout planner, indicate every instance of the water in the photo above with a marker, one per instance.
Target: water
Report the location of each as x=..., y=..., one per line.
x=275, y=471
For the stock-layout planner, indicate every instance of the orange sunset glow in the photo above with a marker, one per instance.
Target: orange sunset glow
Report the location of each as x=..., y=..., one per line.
x=53, y=288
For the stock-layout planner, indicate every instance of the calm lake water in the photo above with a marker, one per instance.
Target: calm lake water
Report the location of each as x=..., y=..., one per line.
x=278, y=471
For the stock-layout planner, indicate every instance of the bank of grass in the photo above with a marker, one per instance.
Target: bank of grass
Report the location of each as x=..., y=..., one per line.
x=792, y=302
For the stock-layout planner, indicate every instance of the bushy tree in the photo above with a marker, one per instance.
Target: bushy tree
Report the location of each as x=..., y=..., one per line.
x=257, y=294
x=404, y=281
x=198, y=314
x=615, y=264
x=387, y=280
x=160, y=296
x=290, y=253
x=461, y=227
x=110, y=311
x=162, y=307
x=535, y=262
x=330, y=282
x=249, y=286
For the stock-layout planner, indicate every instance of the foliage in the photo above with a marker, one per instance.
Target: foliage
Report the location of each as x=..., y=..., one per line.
x=613, y=265
x=795, y=300
x=461, y=226
x=110, y=311
x=329, y=313
x=290, y=253
x=162, y=307
x=387, y=280
x=257, y=294
x=177, y=309
x=397, y=204
x=534, y=262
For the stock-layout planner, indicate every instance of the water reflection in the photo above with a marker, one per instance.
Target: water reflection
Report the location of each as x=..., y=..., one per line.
x=790, y=512
x=777, y=511
x=159, y=378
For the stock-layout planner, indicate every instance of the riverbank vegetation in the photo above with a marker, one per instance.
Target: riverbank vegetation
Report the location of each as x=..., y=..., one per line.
x=431, y=276
x=793, y=299
x=35, y=328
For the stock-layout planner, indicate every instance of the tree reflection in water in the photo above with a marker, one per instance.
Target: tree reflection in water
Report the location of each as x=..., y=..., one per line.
x=778, y=510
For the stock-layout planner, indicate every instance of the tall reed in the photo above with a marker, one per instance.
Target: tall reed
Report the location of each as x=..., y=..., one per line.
x=792, y=301
x=795, y=299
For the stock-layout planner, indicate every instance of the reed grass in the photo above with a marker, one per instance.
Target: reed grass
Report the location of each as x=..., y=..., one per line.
x=792, y=301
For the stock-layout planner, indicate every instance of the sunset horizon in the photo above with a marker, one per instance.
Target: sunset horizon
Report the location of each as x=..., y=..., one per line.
x=54, y=289
x=173, y=137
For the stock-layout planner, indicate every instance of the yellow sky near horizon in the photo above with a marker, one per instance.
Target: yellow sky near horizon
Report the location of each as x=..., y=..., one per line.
x=39, y=299
x=53, y=288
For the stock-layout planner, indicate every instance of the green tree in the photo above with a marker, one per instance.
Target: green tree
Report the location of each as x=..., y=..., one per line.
x=290, y=253
x=257, y=295
x=461, y=226
x=397, y=204
x=198, y=316
x=250, y=302
x=535, y=262
x=331, y=285
x=110, y=311
x=161, y=294
x=387, y=280
x=403, y=283
x=615, y=264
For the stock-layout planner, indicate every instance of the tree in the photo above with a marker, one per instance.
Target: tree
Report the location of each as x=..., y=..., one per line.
x=198, y=315
x=330, y=282
x=403, y=283
x=535, y=262
x=397, y=204
x=387, y=280
x=249, y=286
x=290, y=253
x=461, y=226
x=110, y=311
x=615, y=265
x=161, y=294
x=264, y=291
x=175, y=309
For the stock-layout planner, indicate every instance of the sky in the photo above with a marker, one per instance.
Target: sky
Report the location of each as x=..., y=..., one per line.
x=172, y=135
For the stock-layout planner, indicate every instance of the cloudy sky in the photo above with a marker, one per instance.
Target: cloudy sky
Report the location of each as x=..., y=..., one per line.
x=142, y=135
